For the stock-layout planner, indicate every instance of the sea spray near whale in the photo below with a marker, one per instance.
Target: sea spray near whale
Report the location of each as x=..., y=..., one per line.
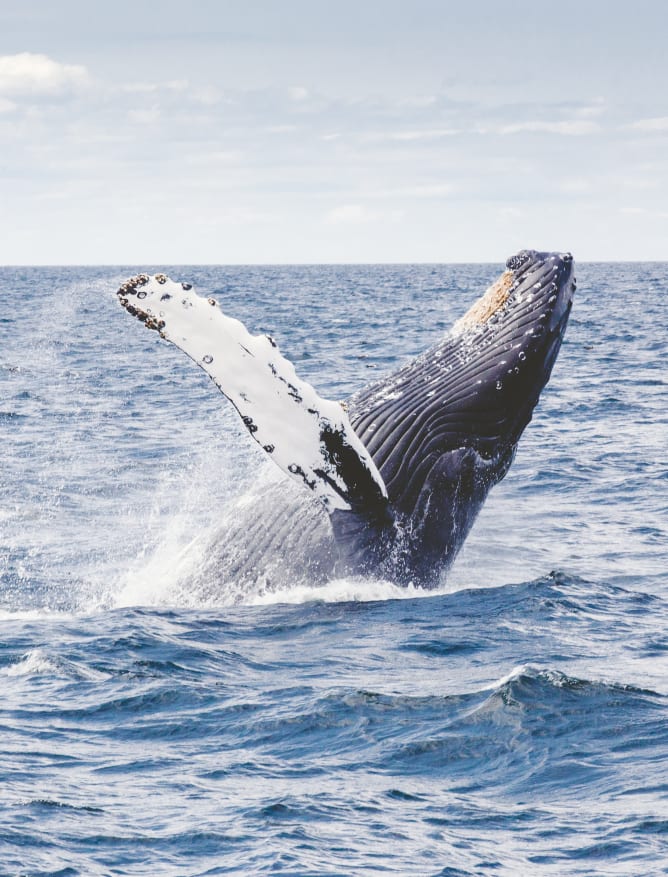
x=394, y=477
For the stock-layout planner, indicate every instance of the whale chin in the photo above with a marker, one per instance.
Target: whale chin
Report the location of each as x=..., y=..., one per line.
x=400, y=471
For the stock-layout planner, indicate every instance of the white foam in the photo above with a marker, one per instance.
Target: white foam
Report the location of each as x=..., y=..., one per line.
x=158, y=576
x=43, y=614
x=345, y=590
x=34, y=663
x=515, y=673
x=38, y=663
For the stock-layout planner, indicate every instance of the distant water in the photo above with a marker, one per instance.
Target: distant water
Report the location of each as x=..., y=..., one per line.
x=512, y=722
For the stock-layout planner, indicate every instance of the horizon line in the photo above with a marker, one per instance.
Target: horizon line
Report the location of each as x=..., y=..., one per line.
x=495, y=262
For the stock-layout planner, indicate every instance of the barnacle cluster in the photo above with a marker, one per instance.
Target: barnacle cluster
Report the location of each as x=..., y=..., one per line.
x=133, y=287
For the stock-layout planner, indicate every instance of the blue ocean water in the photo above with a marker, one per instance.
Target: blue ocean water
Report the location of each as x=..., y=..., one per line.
x=514, y=720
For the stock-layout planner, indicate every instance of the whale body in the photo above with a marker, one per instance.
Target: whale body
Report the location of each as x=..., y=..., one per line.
x=389, y=482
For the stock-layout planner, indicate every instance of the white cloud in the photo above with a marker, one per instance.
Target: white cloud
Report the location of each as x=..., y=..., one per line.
x=568, y=127
x=428, y=190
x=242, y=216
x=213, y=158
x=409, y=136
x=280, y=129
x=148, y=116
x=576, y=186
x=659, y=123
x=298, y=93
x=354, y=213
x=208, y=95
x=643, y=212
x=38, y=75
x=595, y=109
x=173, y=85
x=509, y=213
x=6, y=106
x=358, y=214
x=428, y=134
x=420, y=101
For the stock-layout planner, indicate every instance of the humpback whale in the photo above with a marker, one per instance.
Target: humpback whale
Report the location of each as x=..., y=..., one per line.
x=389, y=482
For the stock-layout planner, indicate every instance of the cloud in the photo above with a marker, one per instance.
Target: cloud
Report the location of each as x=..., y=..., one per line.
x=347, y=213
x=643, y=212
x=659, y=123
x=409, y=135
x=298, y=93
x=147, y=116
x=476, y=120
x=425, y=190
x=32, y=75
x=576, y=186
x=568, y=127
x=358, y=214
x=596, y=108
x=175, y=85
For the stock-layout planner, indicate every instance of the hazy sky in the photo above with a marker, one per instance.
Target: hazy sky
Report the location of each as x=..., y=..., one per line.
x=227, y=131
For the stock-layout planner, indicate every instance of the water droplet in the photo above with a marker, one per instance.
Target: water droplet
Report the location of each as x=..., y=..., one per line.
x=499, y=385
x=141, y=294
x=207, y=359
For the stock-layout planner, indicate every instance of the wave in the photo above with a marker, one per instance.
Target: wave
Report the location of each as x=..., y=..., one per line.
x=528, y=677
x=536, y=729
x=38, y=662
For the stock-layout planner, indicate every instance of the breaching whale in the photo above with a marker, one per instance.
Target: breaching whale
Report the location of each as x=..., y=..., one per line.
x=391, y=480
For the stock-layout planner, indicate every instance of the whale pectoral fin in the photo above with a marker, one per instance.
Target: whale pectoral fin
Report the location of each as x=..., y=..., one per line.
x=308, y=437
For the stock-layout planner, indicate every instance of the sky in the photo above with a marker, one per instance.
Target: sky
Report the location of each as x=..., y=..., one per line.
x=310, y=131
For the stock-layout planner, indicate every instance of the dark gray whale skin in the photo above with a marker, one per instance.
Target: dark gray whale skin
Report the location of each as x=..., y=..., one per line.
x=442, y=431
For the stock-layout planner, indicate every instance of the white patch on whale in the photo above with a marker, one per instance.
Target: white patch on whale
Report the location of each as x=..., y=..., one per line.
x=261, y=384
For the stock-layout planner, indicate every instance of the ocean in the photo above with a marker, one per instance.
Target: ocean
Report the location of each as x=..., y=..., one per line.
x=513, y=720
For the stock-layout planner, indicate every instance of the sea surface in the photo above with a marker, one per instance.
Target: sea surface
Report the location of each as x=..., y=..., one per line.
x=511, y=721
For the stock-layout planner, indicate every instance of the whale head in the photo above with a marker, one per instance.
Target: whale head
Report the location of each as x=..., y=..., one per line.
x=534, y=292
x=520, y=340
x=449, y=429
x=547, y=282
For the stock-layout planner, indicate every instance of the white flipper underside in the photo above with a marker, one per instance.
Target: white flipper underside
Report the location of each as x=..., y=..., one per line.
x=308, y=437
